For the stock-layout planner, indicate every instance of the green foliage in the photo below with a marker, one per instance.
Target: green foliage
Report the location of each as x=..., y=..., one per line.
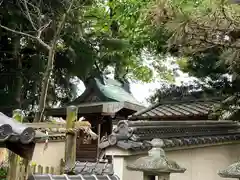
x=3, y=174
x=97, y=35
x=3, y=171
x=204, y=35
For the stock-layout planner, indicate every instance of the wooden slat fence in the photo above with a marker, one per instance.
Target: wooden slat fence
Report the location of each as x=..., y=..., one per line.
x=35, y=169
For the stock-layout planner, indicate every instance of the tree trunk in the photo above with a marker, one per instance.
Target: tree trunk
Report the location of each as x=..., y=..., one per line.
x=19, y=79
x=45, y=84
x=49, y=69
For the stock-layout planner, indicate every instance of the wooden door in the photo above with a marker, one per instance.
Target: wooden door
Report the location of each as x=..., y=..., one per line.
x=86, y=148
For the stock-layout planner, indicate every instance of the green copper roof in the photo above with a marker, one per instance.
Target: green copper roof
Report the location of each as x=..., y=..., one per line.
x=114, y=90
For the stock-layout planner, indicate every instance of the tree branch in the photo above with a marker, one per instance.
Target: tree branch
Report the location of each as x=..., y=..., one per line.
x=41, y=29
x=27, y=35
x=28, y=15
x=61, y=24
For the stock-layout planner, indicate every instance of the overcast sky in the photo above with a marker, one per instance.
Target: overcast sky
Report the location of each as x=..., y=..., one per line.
x=141, y=91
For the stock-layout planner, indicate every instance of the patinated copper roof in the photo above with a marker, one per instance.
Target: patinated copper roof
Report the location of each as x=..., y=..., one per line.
x=177, y=110
x=73, y=177
x=136, y=135
x=106, y=89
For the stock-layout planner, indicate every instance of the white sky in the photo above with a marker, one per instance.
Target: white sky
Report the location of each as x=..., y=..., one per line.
x=141, y=91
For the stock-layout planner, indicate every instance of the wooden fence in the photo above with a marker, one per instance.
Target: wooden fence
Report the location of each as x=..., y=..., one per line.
x=38, y=169
x=35, y=169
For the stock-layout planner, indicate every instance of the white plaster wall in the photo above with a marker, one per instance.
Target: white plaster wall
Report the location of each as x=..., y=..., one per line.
x=204, y=163
x=3, y=154
x=201, y=163
x=51, y=156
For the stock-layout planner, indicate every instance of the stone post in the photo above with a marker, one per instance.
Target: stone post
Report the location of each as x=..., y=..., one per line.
x=156, y=163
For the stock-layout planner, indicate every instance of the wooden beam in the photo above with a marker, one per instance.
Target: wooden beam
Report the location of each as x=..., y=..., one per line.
x=14, y=158
x=99, y=138
x=71, y=137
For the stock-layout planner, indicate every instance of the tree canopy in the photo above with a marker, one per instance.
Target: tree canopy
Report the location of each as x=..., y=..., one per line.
x=96, y=36
x=132, y=38
x=204, y=36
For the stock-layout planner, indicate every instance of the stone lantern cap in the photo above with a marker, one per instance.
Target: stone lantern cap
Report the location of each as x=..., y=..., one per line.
x=232, y=171
x=156, y=162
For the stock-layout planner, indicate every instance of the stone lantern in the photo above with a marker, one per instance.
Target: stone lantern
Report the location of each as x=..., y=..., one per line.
x=232, y=171
x=156, y=163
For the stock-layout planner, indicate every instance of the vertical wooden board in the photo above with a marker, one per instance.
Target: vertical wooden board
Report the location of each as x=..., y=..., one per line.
x=33, y=168
x=62, y=165
x=39, y=169
x=13, y=166
x=52, y=170
x=98, y=140
x=46, y=170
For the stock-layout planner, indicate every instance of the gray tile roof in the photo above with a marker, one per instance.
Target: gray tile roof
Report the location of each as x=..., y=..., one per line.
x=12, y=131
x=18, y=137
x=97, y=168
x=73, y=177
x=177, y=110
x=136, y=135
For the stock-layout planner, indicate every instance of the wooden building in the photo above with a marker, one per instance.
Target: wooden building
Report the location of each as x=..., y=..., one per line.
x=103, y=103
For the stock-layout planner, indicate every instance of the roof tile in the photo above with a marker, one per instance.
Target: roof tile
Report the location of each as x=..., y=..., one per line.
x=180, y=109
x=135, y=135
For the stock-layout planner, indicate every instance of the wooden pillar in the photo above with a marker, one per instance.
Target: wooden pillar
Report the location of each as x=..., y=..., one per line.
x=146, y=177
x=13, y=166
x=26, y=168
x=13, y=158
x=70, y=144
x=98, y=140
